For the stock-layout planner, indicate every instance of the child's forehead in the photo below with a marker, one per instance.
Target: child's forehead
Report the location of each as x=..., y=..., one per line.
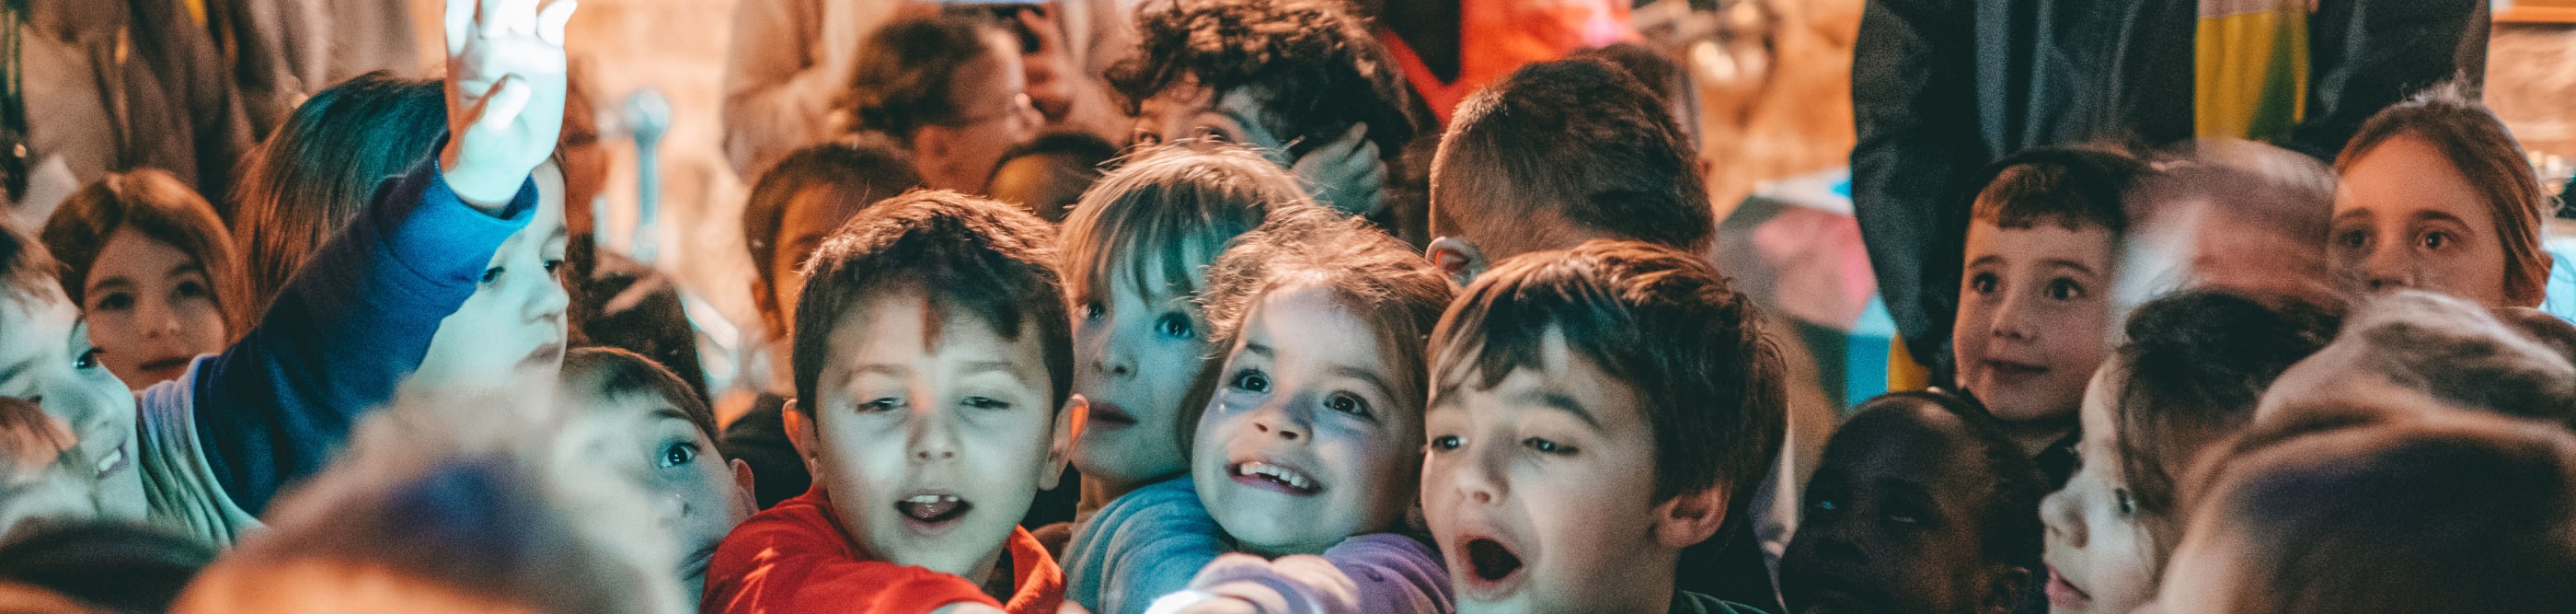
x=910, y=331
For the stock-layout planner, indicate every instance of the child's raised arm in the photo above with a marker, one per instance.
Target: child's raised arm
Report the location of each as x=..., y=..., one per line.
x=359, y=317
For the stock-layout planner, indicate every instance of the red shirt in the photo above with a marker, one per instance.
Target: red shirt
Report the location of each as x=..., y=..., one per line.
x=794, y=557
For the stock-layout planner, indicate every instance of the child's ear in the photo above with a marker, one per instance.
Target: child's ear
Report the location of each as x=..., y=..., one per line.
x=766, y=302
x=1690, y=518
x=743, y=484
x=1457, y=258
x=801, y=433
x=1068, y=429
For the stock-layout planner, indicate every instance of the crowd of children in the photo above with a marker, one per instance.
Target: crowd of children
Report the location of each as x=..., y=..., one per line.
x=1303, y=345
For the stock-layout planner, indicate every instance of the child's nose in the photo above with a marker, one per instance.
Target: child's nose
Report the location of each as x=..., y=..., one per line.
x=2064, y=522
x=549, y=302
x=1273, y=425
x=2389, y=269
x=1473, y=478
x=1114, y=360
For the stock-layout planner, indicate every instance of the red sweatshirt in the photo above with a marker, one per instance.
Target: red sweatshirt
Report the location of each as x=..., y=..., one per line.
x=795, y=558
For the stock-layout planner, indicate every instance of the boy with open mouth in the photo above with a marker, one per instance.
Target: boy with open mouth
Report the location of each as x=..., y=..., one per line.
x=1593, y=412
x=933, y=359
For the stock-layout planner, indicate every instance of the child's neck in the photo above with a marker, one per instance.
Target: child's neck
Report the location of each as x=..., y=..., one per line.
x=999, y=581
x=2035, y=436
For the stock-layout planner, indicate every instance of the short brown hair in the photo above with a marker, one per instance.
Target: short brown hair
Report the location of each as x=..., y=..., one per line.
x=963, y=253
x=1633, y=174
x=2484, y=152
x=1661, y=322
x=855, y=172
x=158, y=206
x=1380, y=280
x=907, y=66
x=2351, y=509
x=610, y=372
x=2070, y=187
x=25, y=266
x=2194, y=367
x=1182, y=204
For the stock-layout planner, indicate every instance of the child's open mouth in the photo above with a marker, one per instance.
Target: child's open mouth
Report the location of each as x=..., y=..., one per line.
x=1277, y=478
x=933, y=509
x=1490, y=561
x=112, y=461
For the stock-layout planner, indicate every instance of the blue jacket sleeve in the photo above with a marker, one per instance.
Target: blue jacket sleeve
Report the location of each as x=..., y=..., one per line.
x=344, y=332
x=1141, y=546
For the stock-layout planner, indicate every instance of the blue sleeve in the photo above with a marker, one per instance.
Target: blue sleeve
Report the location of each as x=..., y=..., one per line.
x=351, y=324
x=1141, y=546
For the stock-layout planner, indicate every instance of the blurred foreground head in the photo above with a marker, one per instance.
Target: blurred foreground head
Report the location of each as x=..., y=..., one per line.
x=484, y=502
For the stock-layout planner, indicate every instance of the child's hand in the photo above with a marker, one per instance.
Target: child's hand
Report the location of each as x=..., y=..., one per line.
x=1050, y=66
x=1348, y=170
x=505, y=94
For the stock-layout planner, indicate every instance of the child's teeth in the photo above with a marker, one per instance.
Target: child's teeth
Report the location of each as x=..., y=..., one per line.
x=111, y=460
x=1283, y=474
x=931, y=499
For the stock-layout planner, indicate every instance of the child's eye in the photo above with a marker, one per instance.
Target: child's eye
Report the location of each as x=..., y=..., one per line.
x=553, y=265
x=987, y=403
x=192, y=289
x=1146, y=138
x=1982, y=283
x=880, y=405
x=115, y=302
x=2126, y=503
x=1208, y=134
x=1174, y=325
x=88, y=359
x=1543, y=446
x=2438, y=240
x=1825, y=506
x=678, y=454
x=1349, y=404
x=2352, y=239
x=491, y=274
x=2064, y=289
x=1249, y=381
x=1091, y=311
x=1446, y=443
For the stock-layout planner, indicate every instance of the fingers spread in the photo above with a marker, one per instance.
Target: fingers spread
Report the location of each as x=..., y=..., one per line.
x=551, y=21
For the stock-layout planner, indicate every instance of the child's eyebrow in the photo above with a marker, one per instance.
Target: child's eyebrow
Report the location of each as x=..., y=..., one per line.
x=1257, y=347
x=2068, y=264
x=1559, y=401
x=1364, y=375
x=2437, y=215
x=1986, y=260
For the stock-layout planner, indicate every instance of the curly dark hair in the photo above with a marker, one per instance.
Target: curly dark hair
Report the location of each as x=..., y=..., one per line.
x=1313, y=66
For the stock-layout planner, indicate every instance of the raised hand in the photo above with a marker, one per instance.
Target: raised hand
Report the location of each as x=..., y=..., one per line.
x=1346, y=173
x=505, y=94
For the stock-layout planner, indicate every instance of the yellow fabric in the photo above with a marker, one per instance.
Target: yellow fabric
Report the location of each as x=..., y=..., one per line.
x=1903, y=373
x=2251, y=69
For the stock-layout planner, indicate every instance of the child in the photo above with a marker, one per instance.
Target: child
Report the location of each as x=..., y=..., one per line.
x=801, y=200
x=1137, y=251
x=2034, y=307
x=2229, y=215
x=426, y=275
x=1921, y=505
x=2193, y=367
x=322, y=166
x=1047, y=175
x=1499, y=187
x=1593, y=413
x=153, y=271
x=2437, y=351
x=1301, y=80
x=34, y=488
x=2437, y=195
x=645, y=415
x=950, y=87
x=2382, y=512
x=445, y=502
x=934, y=369
x=1306, y=446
